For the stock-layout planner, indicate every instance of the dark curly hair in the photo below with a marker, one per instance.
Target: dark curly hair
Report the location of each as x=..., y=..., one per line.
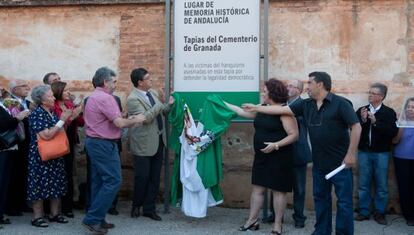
x=277, y=90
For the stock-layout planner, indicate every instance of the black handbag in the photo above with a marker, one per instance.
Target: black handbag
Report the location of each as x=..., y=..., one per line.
x=8, y=139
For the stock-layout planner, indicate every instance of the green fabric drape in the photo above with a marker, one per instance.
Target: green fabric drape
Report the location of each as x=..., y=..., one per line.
x=216, y=118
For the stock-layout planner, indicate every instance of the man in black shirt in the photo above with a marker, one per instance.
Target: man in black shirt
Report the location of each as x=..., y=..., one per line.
x=334, y=132
x=378, y=130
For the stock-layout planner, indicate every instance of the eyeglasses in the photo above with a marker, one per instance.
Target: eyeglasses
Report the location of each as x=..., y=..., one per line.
x=292, y=86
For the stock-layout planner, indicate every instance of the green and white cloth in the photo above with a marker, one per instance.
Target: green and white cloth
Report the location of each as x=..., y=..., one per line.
x=198, y=155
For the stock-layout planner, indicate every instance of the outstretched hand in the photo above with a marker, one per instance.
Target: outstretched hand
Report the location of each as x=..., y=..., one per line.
x=248, y=107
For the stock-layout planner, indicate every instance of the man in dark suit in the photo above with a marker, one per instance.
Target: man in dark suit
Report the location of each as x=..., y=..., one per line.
x=8, y=123
x=19, y=89
x=302, y=156
x=378, y=130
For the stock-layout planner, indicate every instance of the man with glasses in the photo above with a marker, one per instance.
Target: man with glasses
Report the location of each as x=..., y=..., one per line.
x=302, y=156
x=19, y=89
x=378, y=130
x=334, y=132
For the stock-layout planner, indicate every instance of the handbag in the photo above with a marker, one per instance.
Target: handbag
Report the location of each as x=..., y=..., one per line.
x=54, y=148
x=8, y=139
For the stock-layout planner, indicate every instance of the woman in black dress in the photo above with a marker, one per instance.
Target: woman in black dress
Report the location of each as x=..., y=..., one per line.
x=273, y=160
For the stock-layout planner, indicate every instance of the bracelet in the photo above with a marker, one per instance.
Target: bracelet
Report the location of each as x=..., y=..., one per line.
x=60, y=124
x=276, y=146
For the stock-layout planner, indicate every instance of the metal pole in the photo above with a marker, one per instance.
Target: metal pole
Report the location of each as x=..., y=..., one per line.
x=167, y=95
x=265, y=72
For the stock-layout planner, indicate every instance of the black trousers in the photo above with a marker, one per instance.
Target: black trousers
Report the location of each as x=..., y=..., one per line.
x=16, y=201
x=404, y=171
x=67, y=199
x=5, y=170
x=147, y=171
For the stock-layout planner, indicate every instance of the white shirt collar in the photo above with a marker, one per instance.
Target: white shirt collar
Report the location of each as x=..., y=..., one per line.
x=374, y=110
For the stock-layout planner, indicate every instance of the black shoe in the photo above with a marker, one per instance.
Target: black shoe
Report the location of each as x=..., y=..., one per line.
x=135, y=212
x=380, y=218
x=5, y=221
x=253, y=226
x=299, y=224
x=152, y=216
x=40, y=223
x=410, y=222
x=107, y=225
x=361, y=217
x=58, y=219
x=275, y=232
x=270, y=219
x=95, y=229
x=113, y=211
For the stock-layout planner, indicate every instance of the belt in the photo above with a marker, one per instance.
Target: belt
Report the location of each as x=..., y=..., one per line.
x=98, y=138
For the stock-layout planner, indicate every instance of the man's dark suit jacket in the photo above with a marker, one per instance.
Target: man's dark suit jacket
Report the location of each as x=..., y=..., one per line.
x=382, y=131
x=301, y=150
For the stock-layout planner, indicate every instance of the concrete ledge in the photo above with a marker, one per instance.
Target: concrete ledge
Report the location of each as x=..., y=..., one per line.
x=16, y=3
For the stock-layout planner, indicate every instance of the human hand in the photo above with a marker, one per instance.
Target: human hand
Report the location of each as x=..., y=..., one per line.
x=77, y=111
x=66, y=114
x=248, y=107
x=78, y=101
x=270, y=147
x=372, y=117
x=138, y=119
x=22, y=115
x=171, y=101
x=349, y=160
x=364, y=114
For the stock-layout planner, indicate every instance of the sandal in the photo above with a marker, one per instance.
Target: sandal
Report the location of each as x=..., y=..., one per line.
x=40, y=223
x=5, y=221
x=58, y=219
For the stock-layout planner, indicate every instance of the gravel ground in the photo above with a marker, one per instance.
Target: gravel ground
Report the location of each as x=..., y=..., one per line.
x=219, y=221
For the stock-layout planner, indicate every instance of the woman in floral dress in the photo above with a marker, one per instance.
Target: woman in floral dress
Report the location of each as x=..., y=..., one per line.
x=46, y=179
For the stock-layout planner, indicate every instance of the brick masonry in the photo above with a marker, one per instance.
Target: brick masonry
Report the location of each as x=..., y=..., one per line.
x=357, y=42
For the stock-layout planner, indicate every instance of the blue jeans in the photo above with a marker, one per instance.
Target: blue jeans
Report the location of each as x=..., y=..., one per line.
x=105, y=170
x=373, y=165
x=323, y=202
x=299, y=189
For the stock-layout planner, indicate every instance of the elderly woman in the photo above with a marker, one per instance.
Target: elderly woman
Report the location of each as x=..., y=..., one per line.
x=46, y=180
x=7, y=123
x=273, y=160
x=404, y=163
x=62, y=103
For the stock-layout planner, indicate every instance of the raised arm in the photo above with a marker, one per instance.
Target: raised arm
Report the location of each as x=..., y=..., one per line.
x=134, y=120
x=272, y=109
x=240, y=111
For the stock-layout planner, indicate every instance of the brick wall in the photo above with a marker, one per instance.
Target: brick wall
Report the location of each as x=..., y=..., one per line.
x=357, y=42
